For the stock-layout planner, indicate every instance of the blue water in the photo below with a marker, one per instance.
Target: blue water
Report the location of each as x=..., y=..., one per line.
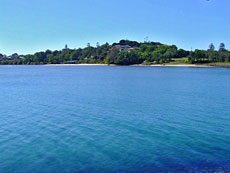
x=114, y=119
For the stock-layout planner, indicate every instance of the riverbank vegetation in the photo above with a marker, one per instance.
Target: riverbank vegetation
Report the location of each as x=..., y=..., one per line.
x=123, y=53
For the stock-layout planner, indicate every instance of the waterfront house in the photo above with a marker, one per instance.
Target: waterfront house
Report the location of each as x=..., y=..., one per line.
x=121, y=47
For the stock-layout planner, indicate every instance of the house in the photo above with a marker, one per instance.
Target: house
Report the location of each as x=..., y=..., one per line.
x=121, y=47
x=13, y=56
x=21, y=57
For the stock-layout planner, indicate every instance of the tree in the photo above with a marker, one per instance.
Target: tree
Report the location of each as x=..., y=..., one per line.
x=127, y=42
x=222, y=47
x=211, y=47
x=156, y=56
x=181, y=53
x=122, y=58
x=111, y=57
x=199, y=55
x=66, y=46
x=212, y=56
x=150, y=52
x=171, y=53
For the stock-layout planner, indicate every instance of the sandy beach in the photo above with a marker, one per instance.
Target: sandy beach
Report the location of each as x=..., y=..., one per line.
x=76, y=65
x=139, y=65
x=177, y=65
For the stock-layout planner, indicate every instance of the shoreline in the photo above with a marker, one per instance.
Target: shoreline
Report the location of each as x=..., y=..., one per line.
x=137, y=65
x=176, y=65
x=75, y=64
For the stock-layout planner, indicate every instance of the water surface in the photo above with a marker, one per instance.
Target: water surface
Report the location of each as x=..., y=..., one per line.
x=114, y=119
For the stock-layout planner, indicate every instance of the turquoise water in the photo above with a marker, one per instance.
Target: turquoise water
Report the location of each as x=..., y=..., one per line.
x=114, y=119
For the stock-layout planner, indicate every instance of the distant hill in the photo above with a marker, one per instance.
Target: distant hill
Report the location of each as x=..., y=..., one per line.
x=125, y=52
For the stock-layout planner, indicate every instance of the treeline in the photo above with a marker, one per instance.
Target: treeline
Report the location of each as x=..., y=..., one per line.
x=132, y=53
x=211, y=55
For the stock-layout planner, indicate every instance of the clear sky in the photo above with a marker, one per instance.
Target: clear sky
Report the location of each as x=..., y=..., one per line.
x=27, y=26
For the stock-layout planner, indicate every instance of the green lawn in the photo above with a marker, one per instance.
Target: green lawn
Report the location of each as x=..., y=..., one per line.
x=180, y=59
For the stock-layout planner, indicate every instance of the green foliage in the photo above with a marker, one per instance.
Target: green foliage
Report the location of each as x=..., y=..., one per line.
x=128, y=42
x=127, y=58
x=222, y=47
x=147, y=53
x=211, y=47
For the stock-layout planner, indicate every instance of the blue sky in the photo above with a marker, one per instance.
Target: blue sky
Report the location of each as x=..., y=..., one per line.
x=27, y=26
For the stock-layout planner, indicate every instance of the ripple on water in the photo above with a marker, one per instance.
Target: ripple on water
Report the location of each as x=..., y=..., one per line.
x=114, y=119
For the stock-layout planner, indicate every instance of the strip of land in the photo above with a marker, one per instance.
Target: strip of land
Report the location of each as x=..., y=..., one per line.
x=151, y=65
x=126, y=52
x=177, y=65
x=76, y=64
